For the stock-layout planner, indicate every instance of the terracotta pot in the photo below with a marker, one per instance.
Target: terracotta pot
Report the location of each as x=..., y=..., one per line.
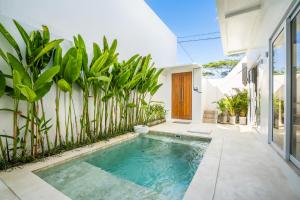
x=232, y=120
x=243, y=120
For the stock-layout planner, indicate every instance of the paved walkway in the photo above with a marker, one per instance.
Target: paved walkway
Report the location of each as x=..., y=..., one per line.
x=239, y=164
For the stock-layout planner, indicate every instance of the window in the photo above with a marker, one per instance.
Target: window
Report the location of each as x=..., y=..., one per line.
x=295, y=56
x=278, y=76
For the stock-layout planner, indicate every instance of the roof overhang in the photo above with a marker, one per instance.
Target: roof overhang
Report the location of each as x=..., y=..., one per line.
x=238, y=22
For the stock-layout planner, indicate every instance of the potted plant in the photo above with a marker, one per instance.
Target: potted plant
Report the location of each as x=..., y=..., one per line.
x=231, y=103
x=243, y=106
x=222, y=107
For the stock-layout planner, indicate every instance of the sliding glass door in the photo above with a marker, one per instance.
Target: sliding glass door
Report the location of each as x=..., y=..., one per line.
x=295, y=73
x=279, y=86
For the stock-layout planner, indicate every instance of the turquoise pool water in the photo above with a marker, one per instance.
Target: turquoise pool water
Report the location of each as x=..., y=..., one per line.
x=147, y=167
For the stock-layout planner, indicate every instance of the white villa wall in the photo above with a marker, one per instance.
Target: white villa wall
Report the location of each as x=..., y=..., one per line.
x=215, y=89
x=137, y=28
x=134, y=24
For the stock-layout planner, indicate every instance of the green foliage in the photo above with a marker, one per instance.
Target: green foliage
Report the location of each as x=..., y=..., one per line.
x=236, y=104
x=222, y=105
x=221, y=64
x=218, y=69
x=119, y=93
x=155, y=112
x=11, y=40
x=2, y=84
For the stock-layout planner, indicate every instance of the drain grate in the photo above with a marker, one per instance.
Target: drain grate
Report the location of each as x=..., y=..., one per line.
x=181, y=122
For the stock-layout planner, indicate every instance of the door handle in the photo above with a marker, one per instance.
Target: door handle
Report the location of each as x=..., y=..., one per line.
x=181, y=94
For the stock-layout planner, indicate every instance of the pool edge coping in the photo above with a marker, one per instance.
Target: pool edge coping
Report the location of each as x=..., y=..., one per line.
x=28, y=170
x=22, y=188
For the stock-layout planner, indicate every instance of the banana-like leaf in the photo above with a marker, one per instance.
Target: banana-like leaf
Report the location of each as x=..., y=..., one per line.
x=123, y=78
x=46, y=77
x=11, y=40
x=25, y=37
x=2, y=84
x=84, y=54
x=155, y=89
x=97, y=51
x=27, y=92
x=42, y=91
x=71, y=53
x=64, y=85
x=69, y=69
x=47, y=48
x=18, y=66
x=99, y=63
x=2, y=54
x=99, y=78
x=113, y=48
x=57, y=56
x=131, y=60
x=105, y=44
x=73, y=68
x=46, y=34
x=134, y=81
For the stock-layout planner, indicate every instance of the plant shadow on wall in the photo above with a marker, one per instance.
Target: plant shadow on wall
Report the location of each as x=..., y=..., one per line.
x=115, y=95
x=234, y=107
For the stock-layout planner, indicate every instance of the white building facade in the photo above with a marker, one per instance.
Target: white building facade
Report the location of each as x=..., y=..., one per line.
x=268, y=32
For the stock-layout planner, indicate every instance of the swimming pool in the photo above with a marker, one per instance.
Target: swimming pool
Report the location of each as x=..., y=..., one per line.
x=146, y=167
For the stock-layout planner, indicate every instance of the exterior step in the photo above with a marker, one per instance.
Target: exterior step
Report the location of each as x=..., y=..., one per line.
x=210, y=116
x=211, y=121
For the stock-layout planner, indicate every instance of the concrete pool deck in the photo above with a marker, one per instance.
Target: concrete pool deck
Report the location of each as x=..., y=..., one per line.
x=238, y=164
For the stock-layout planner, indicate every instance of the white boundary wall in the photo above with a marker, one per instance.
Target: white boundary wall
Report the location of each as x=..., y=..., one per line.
x=133, y=23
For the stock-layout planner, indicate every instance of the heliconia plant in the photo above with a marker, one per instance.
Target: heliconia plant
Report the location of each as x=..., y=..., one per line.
x=116, y=95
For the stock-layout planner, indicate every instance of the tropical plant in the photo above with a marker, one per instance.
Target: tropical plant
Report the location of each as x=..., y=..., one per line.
x=155, y=111
x=30, y=83
x=242, y=98
x=115, y=95
x=231, y=104
x=222, y=106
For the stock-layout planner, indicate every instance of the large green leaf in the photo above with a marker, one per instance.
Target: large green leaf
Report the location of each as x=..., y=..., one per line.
x=47, y=48
x=73, y=68
x=2, y=84
x=11, y=40
x=25, y=37
x=18, y=66
x=105, y=44
x=71, y=53
x=46, y=34
x=2, y=54
x=84, y=53
x=42, y=91
x=57, y=56
x=113, y=48
x=27, y=92
x=46, y=77
x=123, y=78
x=155, y=89
x=64, y=85
x=99, y=63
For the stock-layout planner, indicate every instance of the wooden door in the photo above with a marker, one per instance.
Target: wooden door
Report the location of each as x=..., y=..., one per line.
x=182, y=95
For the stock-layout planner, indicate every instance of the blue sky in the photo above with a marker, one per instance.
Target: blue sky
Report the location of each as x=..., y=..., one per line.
x=191, y=17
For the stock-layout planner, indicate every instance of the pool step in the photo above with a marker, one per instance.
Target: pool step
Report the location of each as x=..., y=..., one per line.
x=85, y=181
